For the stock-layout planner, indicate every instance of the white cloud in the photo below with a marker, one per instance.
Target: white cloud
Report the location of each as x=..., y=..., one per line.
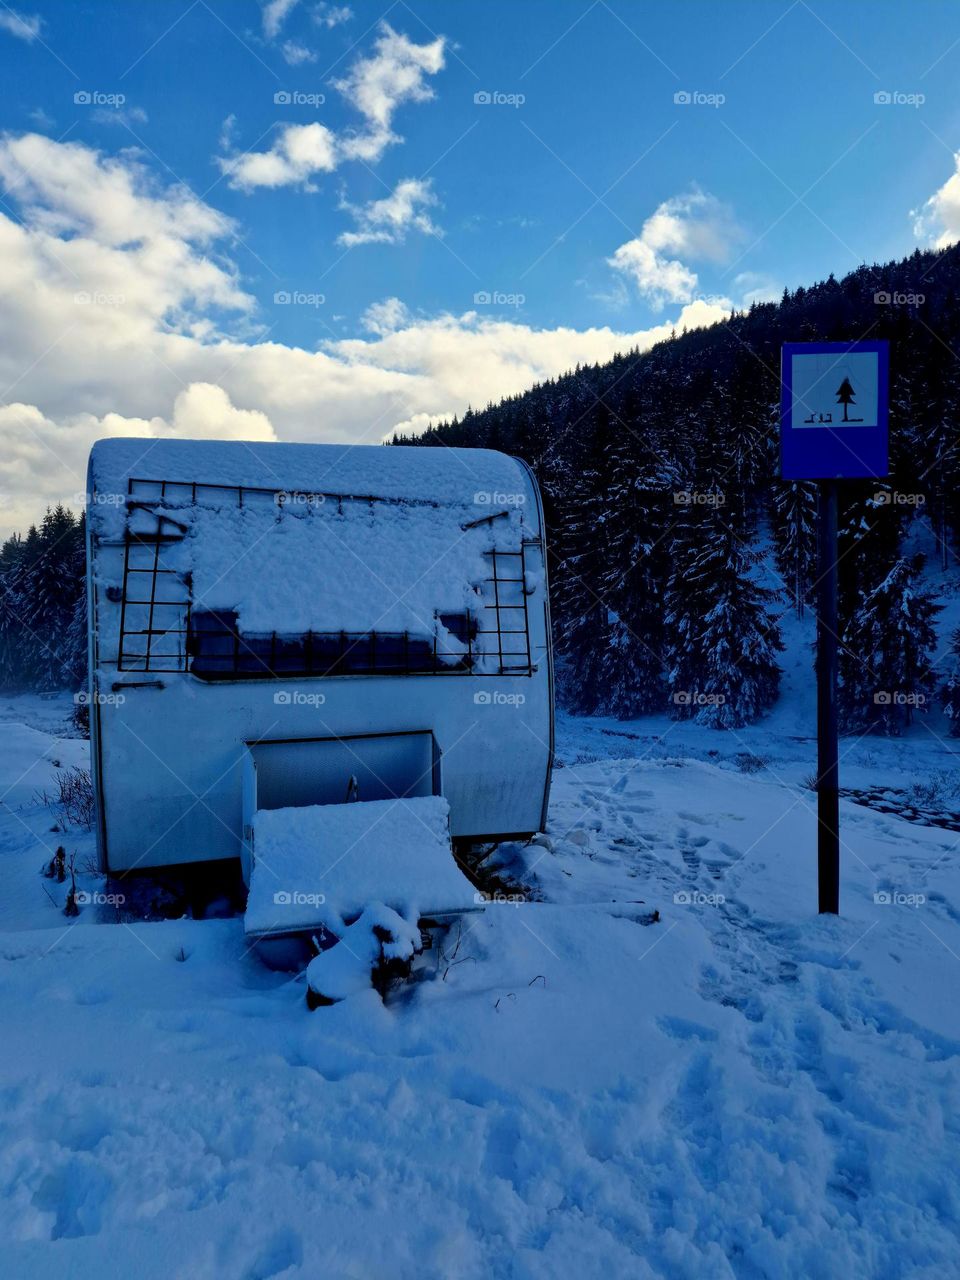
x=755, y=286
x=387, y=221
x=143, y=351
x=41, y=118
x=119, y=116
x=296, y=54
x=101, y=226
x=376, y=86
x=697, y=226
x=227, y=132
x=43, y=461
x=385, y=317
x=331, y=15
x=274, y=15
x=22, y=25
x=300, y=151
x=937, y=221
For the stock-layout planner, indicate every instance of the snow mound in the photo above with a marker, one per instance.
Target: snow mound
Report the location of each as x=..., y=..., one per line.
x=365, y=567
x=379, y=935
x=321, y=864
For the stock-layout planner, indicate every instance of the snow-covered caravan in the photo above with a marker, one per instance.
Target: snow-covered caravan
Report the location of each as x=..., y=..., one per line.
x=275, y=627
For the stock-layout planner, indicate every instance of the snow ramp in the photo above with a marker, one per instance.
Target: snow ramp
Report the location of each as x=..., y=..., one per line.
x=321, y=865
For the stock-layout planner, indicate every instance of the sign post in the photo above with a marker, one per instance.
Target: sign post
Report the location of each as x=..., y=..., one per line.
x=833, y=426
x=828, y=764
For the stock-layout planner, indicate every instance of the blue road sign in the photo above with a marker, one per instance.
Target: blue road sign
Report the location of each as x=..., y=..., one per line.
x=834, y=410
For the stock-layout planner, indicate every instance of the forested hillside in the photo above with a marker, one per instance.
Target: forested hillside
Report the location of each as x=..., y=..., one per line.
x=43, y=618
x=659, y=473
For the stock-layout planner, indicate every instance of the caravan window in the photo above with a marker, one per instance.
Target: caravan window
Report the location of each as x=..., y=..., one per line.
x=217, y=648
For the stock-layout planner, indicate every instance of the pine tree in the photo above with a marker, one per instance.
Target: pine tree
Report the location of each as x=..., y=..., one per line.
x=868, y=543
x=885, y=672
x=683, y=611
x=738, y=637
x=584, y=618
x=795, y=533
x=632, y=583
x=42, y=581
x=951, y=687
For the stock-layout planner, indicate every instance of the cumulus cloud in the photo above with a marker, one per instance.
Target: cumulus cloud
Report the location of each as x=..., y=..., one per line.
x=100, y=226
x=937, y=221
x=300, y=152
x=387, y=221
x=696, y=226
x=22, y=25
x=43, y=461
x=296, y=54
x=114, y=301
x=385, y=317
x=375, y=86
x=393, y=74
x=331, y=15
x=274, y=15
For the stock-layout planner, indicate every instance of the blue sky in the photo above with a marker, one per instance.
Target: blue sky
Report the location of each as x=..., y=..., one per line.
x=586, y=201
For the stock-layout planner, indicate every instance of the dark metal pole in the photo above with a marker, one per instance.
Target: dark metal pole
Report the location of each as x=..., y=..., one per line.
x=828, y=774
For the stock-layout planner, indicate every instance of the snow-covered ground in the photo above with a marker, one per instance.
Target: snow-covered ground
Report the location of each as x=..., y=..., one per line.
x=740, y=1088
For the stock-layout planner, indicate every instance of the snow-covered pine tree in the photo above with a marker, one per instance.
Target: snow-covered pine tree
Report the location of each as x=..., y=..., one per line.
x=868, y=542
x=632, y=583
x=52, y=587
x=738, y=637
x=13, y=656
x=583, y=616
x=683, y=615
x=885, y=651
x=74, y=652
x=794, y=520
x=951, y=686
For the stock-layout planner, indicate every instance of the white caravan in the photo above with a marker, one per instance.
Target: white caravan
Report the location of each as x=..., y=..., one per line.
x=280, y=627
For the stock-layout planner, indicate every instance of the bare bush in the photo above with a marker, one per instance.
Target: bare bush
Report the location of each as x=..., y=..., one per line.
x=72, y=797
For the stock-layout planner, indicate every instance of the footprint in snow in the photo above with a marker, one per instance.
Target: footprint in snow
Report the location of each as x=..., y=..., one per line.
x=684, y=1029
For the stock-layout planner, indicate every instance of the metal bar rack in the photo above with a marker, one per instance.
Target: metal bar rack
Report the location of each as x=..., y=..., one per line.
x=163, y=630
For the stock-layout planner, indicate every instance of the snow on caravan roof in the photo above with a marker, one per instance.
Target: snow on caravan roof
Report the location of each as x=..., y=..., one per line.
x=319, y=564
x=403, y=471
